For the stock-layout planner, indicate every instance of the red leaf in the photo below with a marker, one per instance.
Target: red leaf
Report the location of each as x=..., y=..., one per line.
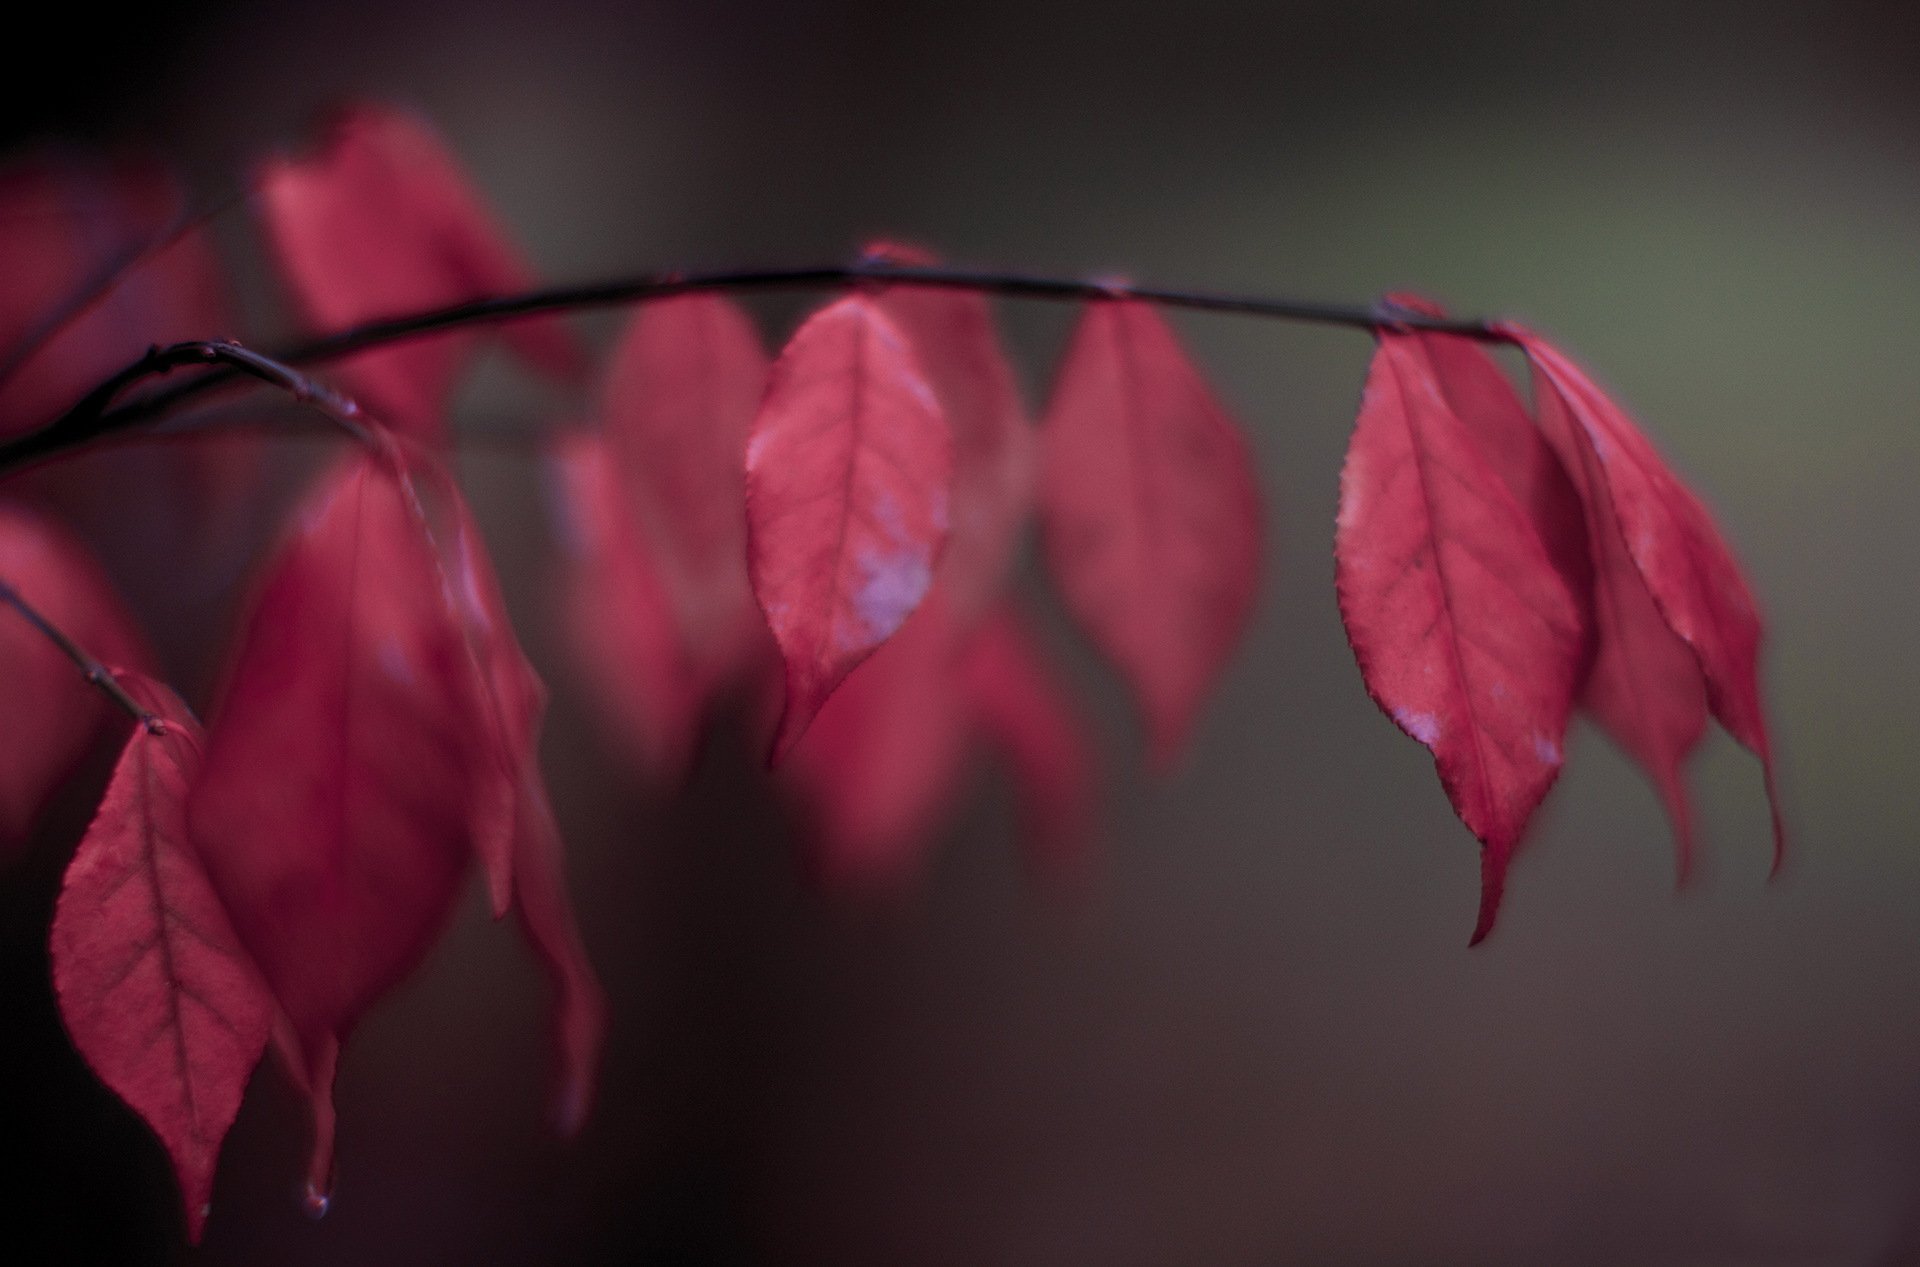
x=522, y=853
x=848, y=468
x=1465, y=633
x=994, y=448
x=51, y=712
x=152, y=983
x=512, y=697
x=1481, y=396
x=1687, y=566
x=334, y=811
x=546, y=918
x=1151, y=516
x=383, y=222
x=618, y=614
x=1018, y=707
x=682, y=388
x=882, y=762
x=1645, y=688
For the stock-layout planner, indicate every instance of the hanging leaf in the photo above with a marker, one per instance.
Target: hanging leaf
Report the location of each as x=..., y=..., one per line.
x=334, y=810
x=1644, y=687
x=523, y=855
x=152, y=983
x=682, y=387
x=1151, y=516
x=51, y=714
x=994, y=447
x=382, y=222
x=1688, y=568
x=618, y=614
x=1466, y=634
x=848, y=468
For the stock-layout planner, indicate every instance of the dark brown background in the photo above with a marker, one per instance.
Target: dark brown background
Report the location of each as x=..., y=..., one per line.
x=1260, y=1037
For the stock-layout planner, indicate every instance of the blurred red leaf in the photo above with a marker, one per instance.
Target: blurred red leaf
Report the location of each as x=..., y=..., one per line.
x=51, y=712
x=994, y=447
x=152, y=983
x=682, y=387
x=334, y=810
x=617, y=611
x=1466, y=634
x=1151, y=515
x=848, y=469
x=882, y=761
x=382, y=222
x=522, y=850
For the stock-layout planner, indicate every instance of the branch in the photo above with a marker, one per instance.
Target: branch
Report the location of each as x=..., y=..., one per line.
x=94, y=415
x=96, y=673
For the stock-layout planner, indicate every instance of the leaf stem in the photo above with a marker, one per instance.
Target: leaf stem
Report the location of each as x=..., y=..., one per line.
x=95, y=415
x=96, y=673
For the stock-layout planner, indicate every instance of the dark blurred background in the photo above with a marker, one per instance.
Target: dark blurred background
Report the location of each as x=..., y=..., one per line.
x=1258, y=1036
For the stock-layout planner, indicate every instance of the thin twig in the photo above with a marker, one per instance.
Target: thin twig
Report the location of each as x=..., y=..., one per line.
x=96, y=673
x=95, y=414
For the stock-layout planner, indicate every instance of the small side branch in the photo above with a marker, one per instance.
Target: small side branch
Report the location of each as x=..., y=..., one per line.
x=96, y=673
x=96, y=415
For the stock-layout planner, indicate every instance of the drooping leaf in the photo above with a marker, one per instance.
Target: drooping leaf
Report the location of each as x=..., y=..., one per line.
x=523, y=856
x=995, y=453
x=1019, y=708
x=618, y=614
x=382, y=222
x=546, y=916
x=334, y=809
x=1466, y=634
x=882, y=761
x=50, y=712
x=682, y=387
x=848, y=469
x=1688, y=568
x=1150, y=512
x=152, y=983
x=1645, y=688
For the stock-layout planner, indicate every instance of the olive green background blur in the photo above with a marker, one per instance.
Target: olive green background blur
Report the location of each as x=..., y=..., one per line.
x=1257, y=1036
